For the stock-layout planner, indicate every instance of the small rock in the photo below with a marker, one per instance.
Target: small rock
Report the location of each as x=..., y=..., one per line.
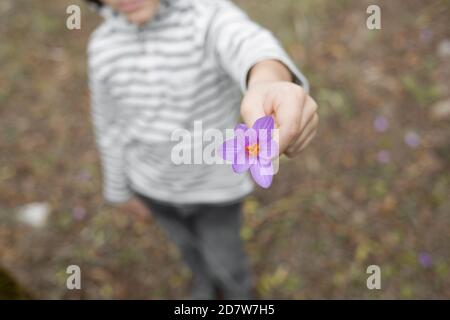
x=444, y=48
x=35, y=214
x=441, y=110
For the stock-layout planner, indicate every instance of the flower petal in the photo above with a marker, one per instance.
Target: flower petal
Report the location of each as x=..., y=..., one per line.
x=251, y=137
x=229, y=149
x=241, y=157
x=263, y=161
x=264, y=123
x=262, y=174
x=240, y=126
x=240, y=168
x=268, y=149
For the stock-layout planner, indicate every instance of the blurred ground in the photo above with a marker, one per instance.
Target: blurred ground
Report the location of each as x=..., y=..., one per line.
x=372, y=189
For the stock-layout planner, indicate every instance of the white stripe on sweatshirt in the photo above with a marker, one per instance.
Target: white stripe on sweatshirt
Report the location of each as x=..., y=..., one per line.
x=190, y=63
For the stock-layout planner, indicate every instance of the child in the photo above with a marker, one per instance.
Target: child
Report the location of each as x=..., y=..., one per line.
x=159, y=65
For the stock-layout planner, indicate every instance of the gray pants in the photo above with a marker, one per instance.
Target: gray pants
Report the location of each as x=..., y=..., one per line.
x=208, y=237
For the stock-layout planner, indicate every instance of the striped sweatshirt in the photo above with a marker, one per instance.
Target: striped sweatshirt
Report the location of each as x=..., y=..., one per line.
x=189, y=63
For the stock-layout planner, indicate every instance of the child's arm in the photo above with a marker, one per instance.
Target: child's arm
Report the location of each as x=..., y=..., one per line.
x=270, y=81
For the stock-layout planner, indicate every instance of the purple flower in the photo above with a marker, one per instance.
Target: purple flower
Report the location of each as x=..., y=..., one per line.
x=383, y=156
x=425, y=260
x=412, y=139
x=78, y=213
x=426, y=35
x=84, y=176
x=381, y=124
x=252, y=148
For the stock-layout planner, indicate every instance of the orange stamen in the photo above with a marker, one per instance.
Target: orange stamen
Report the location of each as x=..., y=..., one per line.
x=252, y=150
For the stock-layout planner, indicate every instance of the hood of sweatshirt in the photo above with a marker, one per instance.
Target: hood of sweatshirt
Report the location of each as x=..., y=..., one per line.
x=119, y=22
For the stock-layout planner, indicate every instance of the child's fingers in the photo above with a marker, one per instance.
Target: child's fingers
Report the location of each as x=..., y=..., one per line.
x=252, y=108
x=288, y=115
x=305, y=126
x=307, y=141
x=309, y=114
x=136, y=208
x=305, y=137
x=293, y=110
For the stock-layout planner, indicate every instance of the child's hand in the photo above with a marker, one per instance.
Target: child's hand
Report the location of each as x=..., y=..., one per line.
x=136, y=207
x=294, y=111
